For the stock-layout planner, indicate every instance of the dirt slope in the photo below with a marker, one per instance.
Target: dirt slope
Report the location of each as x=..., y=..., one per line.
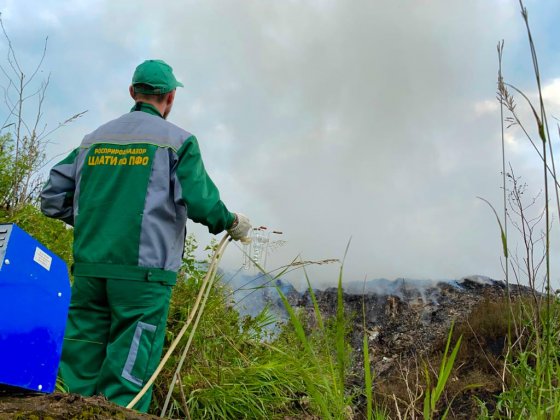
x=26, y=406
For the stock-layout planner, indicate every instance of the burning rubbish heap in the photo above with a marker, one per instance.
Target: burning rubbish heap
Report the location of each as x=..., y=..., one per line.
x=407, y=323
x=406, y=317
x=403, y=316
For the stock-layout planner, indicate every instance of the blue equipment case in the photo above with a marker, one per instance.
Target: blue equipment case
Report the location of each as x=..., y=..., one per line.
x=34, y=300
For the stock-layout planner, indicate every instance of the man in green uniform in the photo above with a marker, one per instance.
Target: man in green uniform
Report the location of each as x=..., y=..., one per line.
x=128, y=190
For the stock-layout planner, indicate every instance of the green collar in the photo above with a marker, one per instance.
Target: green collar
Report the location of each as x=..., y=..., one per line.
x=144, y=107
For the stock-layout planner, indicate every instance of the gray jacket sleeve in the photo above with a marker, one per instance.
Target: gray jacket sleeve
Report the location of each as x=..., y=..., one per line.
x=57, y=197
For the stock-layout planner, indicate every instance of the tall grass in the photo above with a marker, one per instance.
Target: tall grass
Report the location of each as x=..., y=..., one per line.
x=232, y=371
x=330, y=397
x=532, y=367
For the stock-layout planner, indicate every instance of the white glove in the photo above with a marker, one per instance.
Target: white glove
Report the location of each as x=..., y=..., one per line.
x=240, y=228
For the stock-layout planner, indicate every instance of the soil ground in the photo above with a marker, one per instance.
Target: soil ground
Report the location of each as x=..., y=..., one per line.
x=18, y=405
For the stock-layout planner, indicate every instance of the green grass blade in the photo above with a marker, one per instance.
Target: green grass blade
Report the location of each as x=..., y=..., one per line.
x=315, y=303
x=442, y=380
x=442, y=368
x=340, y=335
x=427, y=398
x=298, y=327
x=503, y=235
x=368, y=385
x=341, y=327
x=367, y=377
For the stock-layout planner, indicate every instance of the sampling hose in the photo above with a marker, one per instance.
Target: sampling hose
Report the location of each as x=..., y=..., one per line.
x=211, y=278
x=204, y=291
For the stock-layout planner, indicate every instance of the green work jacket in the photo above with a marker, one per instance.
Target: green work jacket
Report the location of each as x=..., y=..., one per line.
x=128, y=190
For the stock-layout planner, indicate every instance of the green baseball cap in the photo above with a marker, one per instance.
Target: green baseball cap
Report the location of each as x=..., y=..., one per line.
x=156, y=75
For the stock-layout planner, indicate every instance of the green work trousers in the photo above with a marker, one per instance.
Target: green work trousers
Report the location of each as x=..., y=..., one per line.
x=114, y=337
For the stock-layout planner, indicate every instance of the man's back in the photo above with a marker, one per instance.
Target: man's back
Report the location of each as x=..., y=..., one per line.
x=132, y=183
x=129, y=209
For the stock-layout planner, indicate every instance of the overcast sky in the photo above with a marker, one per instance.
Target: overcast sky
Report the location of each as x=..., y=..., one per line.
x=375, y=120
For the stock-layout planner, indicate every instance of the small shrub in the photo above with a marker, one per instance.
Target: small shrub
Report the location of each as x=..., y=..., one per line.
x=54, y=234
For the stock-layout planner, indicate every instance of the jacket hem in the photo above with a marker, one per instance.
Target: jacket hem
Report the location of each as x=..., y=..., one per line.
x=125, y=272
